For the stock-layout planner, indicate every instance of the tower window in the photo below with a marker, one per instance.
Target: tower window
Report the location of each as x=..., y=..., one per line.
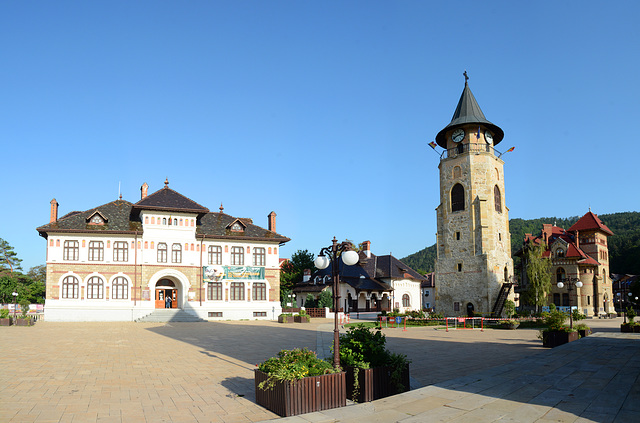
x=457, y=198
x=497, y=198
x=459, y=267
x=458, y=236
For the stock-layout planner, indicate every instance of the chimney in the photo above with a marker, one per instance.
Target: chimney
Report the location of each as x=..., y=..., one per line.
x=578, y=239
x=366, y=247
x=54, y=211
x=272, y=221
x=143, y=191
x=306, y=276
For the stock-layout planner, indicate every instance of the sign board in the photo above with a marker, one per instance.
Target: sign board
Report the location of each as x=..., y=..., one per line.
x=217, y=273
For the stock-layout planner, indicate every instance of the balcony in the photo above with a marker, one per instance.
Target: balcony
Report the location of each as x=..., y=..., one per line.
x=476, y=148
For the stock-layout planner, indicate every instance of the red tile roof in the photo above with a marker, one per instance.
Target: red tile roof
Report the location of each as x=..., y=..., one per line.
x=590, y=222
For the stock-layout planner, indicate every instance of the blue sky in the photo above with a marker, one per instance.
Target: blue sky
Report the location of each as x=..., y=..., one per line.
x=319, y=111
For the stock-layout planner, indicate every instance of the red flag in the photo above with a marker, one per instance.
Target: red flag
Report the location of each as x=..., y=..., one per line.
x=510, y=150
x=433, y=145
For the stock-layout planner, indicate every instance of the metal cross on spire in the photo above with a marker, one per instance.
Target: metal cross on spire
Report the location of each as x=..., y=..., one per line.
x=466, y=77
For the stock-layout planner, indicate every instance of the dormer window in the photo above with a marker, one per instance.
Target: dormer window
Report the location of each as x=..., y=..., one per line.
x=96, y=219
x=559, y=252
x=237, y=226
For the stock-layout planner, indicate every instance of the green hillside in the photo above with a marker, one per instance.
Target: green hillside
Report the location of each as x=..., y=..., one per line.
x=624, y=246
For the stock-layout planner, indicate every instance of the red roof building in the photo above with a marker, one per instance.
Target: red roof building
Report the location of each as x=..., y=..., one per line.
x=580, y=253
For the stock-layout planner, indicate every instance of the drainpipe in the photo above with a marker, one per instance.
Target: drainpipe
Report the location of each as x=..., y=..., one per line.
x=201, y=251
x=135, y=268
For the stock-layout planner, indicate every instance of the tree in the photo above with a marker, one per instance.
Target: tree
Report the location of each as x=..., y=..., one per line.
x=293, y=270
x=325, y=299
x=8, y=258
x=538, y=274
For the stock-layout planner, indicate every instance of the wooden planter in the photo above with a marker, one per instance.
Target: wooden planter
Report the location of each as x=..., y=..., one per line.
x=301, y=319
x=286, y=319
x=509, y=325
x=626, y=328
x=23, y=322
x=315, y=393
x=636, y=328
x=584, y=332
x=375, y=383
x=5, y=322
x=555, y=338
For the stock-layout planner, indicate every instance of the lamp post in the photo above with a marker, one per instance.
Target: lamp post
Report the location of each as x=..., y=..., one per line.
x=570, y=284
x=329, y=256
x=15, y=303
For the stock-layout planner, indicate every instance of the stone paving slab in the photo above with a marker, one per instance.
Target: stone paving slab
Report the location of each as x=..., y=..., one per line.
x=203, y=372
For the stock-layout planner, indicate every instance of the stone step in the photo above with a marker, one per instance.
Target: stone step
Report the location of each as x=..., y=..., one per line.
x=170, y=315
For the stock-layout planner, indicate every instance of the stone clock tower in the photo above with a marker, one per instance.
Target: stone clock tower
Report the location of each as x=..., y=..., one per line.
x=473, y=267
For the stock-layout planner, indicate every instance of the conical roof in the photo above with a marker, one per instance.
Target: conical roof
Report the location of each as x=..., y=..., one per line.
x=468, y=111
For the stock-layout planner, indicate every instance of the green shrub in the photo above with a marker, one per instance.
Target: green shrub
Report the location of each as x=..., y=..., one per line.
x=4, y=313
x=631, y=314
x=576, y=315
x=24, y=305
x=293, y=365
x=325, y=299
x=509, y=308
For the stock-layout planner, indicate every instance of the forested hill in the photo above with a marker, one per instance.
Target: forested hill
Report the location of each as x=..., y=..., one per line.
x=624, y=246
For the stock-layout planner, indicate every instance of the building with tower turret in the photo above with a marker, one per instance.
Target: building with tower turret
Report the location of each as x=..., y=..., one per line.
x=473, y=268
x=580, y=253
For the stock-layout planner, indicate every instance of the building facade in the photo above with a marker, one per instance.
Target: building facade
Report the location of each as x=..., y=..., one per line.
x=375, y=283
x=473, y=268
x=121, y=261
x=579, y=253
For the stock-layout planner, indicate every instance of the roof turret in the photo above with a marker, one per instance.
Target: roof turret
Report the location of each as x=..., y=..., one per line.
x=468, y=111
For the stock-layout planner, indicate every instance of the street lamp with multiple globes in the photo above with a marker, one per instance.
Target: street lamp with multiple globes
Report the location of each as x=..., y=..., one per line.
x=570, y=283
x=329, y=256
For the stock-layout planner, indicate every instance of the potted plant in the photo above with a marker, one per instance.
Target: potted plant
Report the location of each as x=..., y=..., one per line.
x=301, y=317
x=297, y=381
x=24, y=319
x=556, y=333
x=583, y=330
x=5, y=320
x=286, y=318
x=631, y=326
x=373, y=372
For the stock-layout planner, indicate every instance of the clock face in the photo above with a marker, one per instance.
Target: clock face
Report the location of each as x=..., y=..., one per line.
x=458, y=135
x=488, y=137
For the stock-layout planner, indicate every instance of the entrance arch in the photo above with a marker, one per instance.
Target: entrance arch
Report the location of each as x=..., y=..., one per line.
x=169, y=282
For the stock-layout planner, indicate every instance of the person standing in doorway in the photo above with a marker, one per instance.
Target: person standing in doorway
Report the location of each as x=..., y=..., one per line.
x=167, y=301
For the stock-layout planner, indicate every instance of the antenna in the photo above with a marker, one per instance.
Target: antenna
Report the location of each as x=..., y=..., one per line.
x=119, y=193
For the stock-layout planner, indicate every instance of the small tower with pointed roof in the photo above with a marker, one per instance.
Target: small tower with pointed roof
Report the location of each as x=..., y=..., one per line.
x=473, y=267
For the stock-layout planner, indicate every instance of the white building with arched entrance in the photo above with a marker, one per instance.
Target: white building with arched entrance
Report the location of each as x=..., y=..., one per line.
x=122, y=261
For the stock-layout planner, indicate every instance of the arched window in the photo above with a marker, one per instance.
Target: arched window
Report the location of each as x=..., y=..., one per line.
x=120, y=288
x=215, y=254
x=560, y=275
x=259, y=291
x=497, y=198
x=406, y=301
x=559, y=252
x=70, y=287
x=237, y=291
x=457, y=198
x=176, y=253
x=162, y=252
x=506, y=274
x=95, y=288
x=164, y=220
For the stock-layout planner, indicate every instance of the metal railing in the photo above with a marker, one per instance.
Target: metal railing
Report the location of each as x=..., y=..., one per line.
x=468, y=148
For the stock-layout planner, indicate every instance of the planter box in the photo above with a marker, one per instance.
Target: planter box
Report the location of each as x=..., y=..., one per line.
x=22, y=322
x=626, y=328
x=509, y=325
x=286, y=319
x=5, y=322
x=315, y=393
x=375, y=383
x=554, y=339
x=301, y=319
x=584, y=332
x=636, y=328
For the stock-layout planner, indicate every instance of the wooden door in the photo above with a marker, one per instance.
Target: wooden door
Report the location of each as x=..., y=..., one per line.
x=159, y=298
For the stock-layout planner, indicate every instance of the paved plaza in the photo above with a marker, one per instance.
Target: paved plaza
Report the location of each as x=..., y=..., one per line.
x=203, y=372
